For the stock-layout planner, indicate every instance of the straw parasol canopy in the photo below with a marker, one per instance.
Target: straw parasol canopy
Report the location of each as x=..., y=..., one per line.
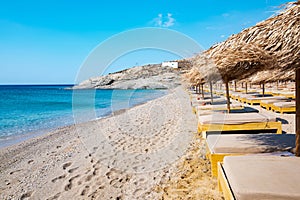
x=193, y=76
x=206, y=67
x=271, y=76
x=271, y=44
x=237, y=59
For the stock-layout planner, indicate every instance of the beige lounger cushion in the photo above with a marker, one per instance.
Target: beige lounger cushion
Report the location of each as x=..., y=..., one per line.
x=250, y=143
x=248, y=95
x=274, y=100
x=286, y=93
x=266, y=98
x=285, y=104
x=221, y=106
x=263, y=177
x=235, y=118
x=199, y=102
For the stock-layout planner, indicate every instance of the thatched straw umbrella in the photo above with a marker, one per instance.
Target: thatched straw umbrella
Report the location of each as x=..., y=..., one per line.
x=271, y=76
x=232, y=62
x=271, y=44
x=208, y=70
x=194, y=78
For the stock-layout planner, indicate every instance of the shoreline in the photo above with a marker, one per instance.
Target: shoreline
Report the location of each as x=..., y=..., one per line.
x=123, y=156
x=7, y=141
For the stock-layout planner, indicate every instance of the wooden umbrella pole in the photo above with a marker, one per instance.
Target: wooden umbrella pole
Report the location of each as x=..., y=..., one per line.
x=202, y=91
x=227, y=96
x=246, y=88
x=235, y=86
x=211, y=92
x=297, y=150
x=263, y=89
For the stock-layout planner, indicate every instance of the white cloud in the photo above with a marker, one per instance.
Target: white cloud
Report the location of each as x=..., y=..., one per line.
x=165, y=22
x=158, y=20
x=222, y=36
x=170, y=22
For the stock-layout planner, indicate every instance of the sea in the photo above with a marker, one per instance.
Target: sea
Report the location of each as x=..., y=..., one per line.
x=30, y=110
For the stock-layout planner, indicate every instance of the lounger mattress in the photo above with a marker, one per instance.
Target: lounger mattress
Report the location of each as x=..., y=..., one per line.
x=250, y=143
x=263, y=177
x=235, y=118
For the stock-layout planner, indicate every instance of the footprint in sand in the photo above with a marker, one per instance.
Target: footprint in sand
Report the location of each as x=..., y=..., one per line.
x=54, y=197
x=70, y=184
x=26, y=195
x=72, y=170
x=111, y=172
x=66, y=165
x=138, y=192
x=116, y=183
x=11, y=173
x=30, y=161
x=85, y=190
x=95, y=148
x=58, y=178
x=88, y=178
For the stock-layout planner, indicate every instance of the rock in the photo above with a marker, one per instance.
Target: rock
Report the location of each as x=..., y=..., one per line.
x=142, y=77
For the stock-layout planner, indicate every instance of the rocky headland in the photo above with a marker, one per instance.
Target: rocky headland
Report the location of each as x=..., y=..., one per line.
x=154, y=76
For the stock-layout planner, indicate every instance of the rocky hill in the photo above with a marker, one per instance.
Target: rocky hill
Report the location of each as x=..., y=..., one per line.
x=143, y=77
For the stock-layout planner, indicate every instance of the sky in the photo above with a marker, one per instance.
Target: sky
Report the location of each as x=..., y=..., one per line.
x=46, y=42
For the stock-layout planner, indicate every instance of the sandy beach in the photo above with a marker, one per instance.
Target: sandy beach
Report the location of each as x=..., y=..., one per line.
x=150, y=151
x=129, y=155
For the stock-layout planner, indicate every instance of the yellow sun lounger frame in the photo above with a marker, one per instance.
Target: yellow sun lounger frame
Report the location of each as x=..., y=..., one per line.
x=215, y=158
x=252, y=101
x=242, y=99
x=267, y=106
x=282, y=110
x=292, y=96
x=223, y=184
x=204, y=128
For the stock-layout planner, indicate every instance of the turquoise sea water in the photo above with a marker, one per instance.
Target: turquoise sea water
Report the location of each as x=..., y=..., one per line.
x=34, y=109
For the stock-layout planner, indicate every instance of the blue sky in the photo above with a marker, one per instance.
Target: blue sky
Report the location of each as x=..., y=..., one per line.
x=47, y=41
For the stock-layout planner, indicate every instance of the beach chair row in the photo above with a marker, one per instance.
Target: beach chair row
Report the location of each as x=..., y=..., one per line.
x=280, y=104
x=239, y=161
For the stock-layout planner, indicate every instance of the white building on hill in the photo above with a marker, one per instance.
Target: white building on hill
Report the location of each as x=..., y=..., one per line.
x=172, y=64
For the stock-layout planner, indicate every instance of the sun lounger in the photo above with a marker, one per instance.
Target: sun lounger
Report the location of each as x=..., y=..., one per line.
x=259, y=177
x=267, y=104
x=233, y=106
x=197, y=102
x=237, y=122
x=257, y=100
x=235, y=95
x=242, y=97
x=284, y=107
x=287, y=94
x=219, y=146
x=219, y=92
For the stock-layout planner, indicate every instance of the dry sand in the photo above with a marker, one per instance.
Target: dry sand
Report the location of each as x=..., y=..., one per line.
x=150, y=151
x=131, y=155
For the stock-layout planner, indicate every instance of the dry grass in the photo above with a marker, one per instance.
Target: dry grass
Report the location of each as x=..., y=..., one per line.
x=192, y=178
